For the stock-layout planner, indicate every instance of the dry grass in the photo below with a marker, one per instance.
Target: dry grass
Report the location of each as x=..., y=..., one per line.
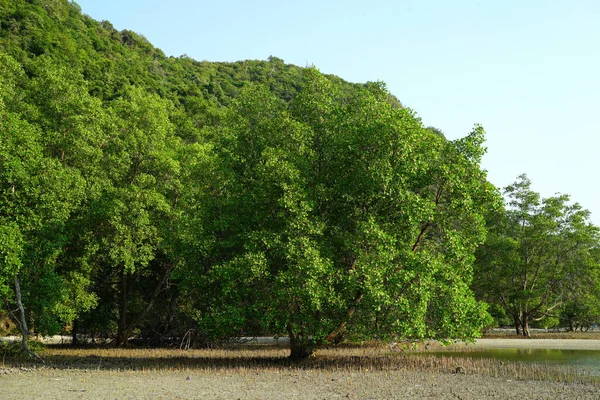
x=246, y=359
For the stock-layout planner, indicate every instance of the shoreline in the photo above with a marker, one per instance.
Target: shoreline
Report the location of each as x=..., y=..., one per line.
x=546, y=344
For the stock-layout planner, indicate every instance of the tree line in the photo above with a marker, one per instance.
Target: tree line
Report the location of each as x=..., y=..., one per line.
x=156, y=198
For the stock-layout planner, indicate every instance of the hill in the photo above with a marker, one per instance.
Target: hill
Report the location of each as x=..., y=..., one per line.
x=109, y=60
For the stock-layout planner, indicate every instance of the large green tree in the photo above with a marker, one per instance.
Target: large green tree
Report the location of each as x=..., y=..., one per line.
x=342, y=211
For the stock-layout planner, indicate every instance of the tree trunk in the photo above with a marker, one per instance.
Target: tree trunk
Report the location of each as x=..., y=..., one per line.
x=300, y=351
x=525, y=326
x=22, y=320
x=122, y=334
x=74, y=329
x=517, y=326
x=336, y=334
x=301, y=347
x=126, y=328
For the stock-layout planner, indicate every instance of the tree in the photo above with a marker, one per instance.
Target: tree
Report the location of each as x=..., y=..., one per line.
x=74, y=126
x=38, y=195
x=338, y=212
x=539, y=256
x=582, y=311
x=124, y=226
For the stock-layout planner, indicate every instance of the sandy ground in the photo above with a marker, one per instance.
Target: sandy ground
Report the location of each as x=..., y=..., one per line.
x=307, y=384
x=550, y=344
x=50, y=383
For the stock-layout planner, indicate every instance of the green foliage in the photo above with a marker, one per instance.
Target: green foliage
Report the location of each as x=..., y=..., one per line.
x=541, y=256
x=161, y=195
x=38, y=196
x=342, y=214
x=11, y=242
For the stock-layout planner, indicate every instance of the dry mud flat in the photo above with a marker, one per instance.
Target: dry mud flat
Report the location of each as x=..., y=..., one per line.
x=301, y=384
x=240, y=374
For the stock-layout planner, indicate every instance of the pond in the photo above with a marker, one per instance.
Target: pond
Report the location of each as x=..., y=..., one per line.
x=585, y=360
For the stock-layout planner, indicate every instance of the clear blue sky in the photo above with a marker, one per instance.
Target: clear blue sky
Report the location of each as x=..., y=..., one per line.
x=528, y=71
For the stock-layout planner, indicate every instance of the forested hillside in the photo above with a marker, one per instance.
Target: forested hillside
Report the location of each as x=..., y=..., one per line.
x=157, y=198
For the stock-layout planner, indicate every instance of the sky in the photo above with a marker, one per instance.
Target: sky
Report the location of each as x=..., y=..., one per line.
x=528, y=71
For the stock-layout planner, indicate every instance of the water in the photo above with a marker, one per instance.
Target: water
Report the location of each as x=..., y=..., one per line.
x=587, y=360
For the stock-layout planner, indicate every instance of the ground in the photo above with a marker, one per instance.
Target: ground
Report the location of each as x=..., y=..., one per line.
x=263, y=372
x=76, y=384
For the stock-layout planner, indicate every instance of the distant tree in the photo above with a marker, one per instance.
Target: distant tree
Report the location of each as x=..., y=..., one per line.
x=581, y=312
x=540, y=256
x=581, y=309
